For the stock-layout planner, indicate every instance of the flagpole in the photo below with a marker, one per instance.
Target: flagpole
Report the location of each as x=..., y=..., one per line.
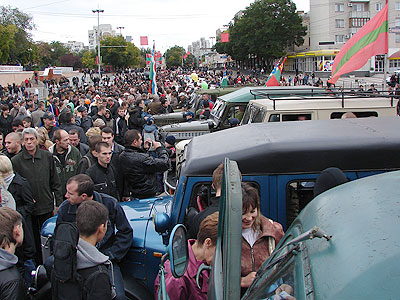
x=386, y=66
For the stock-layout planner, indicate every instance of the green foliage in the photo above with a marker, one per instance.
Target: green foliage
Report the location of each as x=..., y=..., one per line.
x=266, y=29
x=119, y=57
x=173, y=56
x=88, y=59
x=7, y=41
x=18, y=40
x=51, y=53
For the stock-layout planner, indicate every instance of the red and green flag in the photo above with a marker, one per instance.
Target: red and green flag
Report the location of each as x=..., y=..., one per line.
x=275, y=77
x=370, y=40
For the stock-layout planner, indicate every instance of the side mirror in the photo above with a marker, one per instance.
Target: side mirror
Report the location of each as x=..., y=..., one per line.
x=178, y=255
x=178, y=251
x=161, y=224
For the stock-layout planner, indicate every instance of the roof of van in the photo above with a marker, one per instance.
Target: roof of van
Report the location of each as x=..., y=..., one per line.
x=323, y=102
x=249, y=93
x=299, y=146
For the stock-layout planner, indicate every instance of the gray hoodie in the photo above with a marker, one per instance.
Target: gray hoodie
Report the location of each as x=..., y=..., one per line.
x=7, y=260
x=88, y=256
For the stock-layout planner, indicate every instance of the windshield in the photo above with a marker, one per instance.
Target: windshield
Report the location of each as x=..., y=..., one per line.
x=218, y=109
x=253, y=114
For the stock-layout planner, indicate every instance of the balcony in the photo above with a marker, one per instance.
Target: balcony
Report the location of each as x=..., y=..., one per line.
x=359, y=14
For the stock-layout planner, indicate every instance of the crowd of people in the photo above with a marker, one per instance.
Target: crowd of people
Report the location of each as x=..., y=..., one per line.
x=96, y=144
x=90, y=139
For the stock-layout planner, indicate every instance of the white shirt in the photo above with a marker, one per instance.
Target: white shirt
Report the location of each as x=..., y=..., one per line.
x=250, y=235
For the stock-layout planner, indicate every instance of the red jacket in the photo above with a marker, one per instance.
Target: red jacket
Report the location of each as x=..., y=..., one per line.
x=254, y=257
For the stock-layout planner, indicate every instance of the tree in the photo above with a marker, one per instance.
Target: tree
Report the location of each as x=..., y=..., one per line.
x=88, y=59
x=123, y=55
x=71, y=60
x=173, y=56
x=7, y=42
x=51, y=53
x=266, y=29
x=22, y=25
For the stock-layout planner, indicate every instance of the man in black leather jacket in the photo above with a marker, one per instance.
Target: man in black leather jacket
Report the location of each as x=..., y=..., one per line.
x=139, y=169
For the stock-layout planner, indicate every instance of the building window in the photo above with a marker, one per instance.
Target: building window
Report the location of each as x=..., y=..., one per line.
x=339, y=38
x=378, y=6
x=358, y=6
x=397, y=37
x=397, y=6
x=397, y=22
x=339, y=7
x=339, y=23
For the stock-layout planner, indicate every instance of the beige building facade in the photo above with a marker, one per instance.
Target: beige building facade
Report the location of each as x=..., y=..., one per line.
x=332, y=23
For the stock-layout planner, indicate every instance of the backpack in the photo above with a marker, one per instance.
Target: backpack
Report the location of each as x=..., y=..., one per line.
x=65, y=280
x=67, y=283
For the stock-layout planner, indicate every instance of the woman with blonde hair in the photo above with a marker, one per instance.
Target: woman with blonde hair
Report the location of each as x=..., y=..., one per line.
x=43, y=139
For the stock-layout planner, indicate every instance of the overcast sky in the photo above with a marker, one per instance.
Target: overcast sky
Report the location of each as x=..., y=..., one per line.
x=168, y=22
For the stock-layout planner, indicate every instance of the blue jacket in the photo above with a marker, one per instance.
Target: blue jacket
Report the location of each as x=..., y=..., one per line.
x=118, y=238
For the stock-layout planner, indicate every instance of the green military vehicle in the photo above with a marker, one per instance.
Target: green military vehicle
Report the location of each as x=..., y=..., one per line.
x=178, y=116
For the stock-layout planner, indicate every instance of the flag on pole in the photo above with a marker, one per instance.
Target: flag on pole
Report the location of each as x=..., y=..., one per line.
x=144, y=40
x=275, y=77
x=152, y=76
x=148, y=58
x=224, y=81
x=370, y=40
x=225, y=37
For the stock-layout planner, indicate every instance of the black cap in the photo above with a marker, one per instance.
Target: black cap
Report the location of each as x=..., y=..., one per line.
x=328, y=179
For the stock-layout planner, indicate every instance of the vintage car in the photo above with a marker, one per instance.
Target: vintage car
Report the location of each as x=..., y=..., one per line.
x=231, y=106
x=178, y=116
x=281, y=159
x=343, y=245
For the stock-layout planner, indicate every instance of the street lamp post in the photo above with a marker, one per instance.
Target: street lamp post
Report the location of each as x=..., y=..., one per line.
x=212, y=40
x=120, y=29
x=98, y=11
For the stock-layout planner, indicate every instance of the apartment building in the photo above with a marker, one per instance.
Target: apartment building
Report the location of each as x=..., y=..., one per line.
x=102, y=30
x=333, y=22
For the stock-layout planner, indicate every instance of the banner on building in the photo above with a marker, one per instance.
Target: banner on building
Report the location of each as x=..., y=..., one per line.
x=225, y=37
x=144, y=41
